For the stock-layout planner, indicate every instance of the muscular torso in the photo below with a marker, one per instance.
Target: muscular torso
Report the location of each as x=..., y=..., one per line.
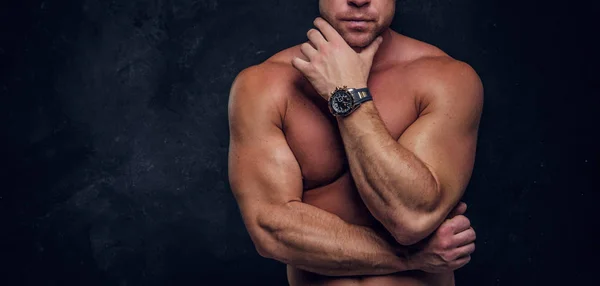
x=312, y=134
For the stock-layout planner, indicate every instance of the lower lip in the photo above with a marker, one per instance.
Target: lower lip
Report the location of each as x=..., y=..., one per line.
x=357, y=25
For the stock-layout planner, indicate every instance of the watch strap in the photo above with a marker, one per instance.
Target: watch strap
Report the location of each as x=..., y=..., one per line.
x=360, y=95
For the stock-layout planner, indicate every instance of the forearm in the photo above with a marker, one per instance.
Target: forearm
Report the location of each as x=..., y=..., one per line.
x=314, y=240
x=395, y=185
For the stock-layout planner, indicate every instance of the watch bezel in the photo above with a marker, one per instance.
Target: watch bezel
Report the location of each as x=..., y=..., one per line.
x=336, y=93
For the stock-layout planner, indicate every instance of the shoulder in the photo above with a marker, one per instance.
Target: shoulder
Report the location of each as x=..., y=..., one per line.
x=276, y=73
x=265, y=86
x=429, y=60
x=441, y=79
x=444, y=72
x=429, y=65
x=433, y=64
x=262, y=77
x=451, y=89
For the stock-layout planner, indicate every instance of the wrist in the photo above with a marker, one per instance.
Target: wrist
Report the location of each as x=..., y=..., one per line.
x=412, y=263
x=409, y=260
x=365, y=111
x=354, y=85
x=357, y=85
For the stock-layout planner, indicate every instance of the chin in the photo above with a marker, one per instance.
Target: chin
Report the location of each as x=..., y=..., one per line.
x=359, y=40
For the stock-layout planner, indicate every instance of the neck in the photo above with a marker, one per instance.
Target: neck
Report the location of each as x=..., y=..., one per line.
x=384, y=49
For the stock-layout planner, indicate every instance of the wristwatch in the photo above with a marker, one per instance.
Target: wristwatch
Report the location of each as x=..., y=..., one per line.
x=344, y=100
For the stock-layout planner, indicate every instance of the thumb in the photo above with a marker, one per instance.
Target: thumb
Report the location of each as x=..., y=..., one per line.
x=369, y=52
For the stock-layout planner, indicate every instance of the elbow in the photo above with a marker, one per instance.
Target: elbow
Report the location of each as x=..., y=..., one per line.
x=264, y=234
x=407, y=237
x=411, y=235
x=266, y=245
x=422, y=219
x=264, y=250
x=262, y=242
x=403, y=229
x=411, y=227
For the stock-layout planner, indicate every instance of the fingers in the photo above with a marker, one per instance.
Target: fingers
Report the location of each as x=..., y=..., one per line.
x=459, y=224
x=308, y=50
x=461, y=256
x=459, y=252
x=458, y=263
x=465, y=250
x=369, y=52
x=465, y=237
x=301, y=65
x=459, y=209
x=316, y=38
x=328, y=31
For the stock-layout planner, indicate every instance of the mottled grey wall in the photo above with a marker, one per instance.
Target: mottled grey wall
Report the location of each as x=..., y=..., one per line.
x=115, y=137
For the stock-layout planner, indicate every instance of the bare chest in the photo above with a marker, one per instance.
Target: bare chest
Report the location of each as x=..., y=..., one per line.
x=313, y=136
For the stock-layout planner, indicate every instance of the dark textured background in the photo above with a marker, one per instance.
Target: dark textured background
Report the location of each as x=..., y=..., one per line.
x=115, y=137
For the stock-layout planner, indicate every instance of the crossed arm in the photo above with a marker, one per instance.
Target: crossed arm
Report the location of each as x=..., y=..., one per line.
x=266, y=181
x=411, y=185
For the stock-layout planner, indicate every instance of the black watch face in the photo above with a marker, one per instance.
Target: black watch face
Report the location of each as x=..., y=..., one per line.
x=341, y=102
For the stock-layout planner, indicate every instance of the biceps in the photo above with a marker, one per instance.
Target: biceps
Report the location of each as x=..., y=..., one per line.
x=263, y=175
x=446, y=146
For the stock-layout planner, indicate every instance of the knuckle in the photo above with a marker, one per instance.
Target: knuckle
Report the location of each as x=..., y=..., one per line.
x=445, y=228
x=444, y=243
x=452, y=224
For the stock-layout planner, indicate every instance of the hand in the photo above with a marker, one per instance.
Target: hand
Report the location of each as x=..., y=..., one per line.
x=450, y=246
x=332, y=62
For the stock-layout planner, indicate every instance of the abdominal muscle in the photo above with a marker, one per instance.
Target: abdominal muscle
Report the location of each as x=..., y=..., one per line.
x=342, y=199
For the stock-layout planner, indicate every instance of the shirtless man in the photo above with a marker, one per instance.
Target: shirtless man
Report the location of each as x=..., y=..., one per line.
x=357, y=194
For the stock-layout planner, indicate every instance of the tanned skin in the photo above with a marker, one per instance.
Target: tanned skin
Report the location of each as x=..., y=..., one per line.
x=367, y=199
